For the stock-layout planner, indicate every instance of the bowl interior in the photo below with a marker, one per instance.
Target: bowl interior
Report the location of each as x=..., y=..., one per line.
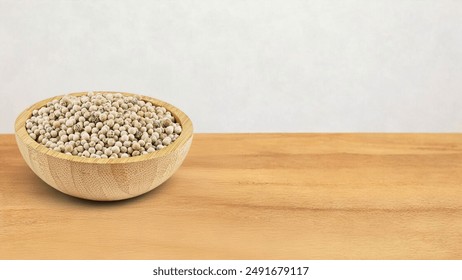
x=182, y=118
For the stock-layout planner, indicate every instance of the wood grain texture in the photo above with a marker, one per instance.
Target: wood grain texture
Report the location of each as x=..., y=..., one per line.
x=255, y=196
x=104, y=179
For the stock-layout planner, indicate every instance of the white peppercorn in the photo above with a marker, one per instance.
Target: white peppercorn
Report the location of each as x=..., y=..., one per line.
x=110, y=122
x=124, y=138
x=132, y=130
x=136, y=146
x=70, y=122
x=85, y=136
x=169, y=129
x=115, y=149
x=68, y=148
x=167, y=140
x=110, y=142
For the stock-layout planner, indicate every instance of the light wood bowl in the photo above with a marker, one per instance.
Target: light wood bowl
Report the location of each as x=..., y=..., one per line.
x=104, y=179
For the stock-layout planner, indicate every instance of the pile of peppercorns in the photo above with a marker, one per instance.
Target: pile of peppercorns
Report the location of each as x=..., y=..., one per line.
x=97, y=125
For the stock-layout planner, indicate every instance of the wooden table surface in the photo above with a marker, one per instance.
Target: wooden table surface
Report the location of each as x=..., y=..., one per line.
x=255, y=196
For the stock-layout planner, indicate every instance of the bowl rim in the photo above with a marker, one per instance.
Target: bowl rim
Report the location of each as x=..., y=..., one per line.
x=182, y=118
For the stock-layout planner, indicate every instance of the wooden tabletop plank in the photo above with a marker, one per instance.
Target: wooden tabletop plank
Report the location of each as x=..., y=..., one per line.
x=255, y=196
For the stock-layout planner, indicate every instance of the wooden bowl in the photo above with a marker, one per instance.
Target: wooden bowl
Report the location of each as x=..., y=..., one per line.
x=104, y=179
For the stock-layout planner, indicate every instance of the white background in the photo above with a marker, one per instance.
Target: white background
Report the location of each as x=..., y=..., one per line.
x=318, y=269
x=242, y=66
